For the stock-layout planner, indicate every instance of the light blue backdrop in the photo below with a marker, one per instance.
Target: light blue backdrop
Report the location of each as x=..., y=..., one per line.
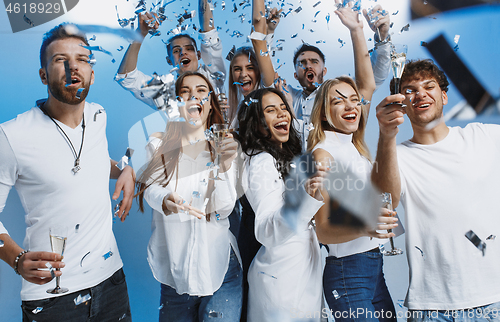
x=20, y=87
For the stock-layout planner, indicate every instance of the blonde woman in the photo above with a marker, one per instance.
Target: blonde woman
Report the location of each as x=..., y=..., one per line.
x=353, y=277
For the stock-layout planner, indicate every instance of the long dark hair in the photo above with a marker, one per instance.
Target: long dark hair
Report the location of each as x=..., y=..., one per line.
x=165, y=160
x=254, y=141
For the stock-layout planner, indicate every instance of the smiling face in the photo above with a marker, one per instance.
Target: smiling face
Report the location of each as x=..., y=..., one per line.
x=344, y=108
x=54, y=73
x=277, y=118
x=244, y=72
x=184, y=55
x=195, y=93
x=424, y=100
x=310, y=69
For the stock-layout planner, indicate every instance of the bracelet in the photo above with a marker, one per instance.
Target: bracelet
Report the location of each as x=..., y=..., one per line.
x=16, y=261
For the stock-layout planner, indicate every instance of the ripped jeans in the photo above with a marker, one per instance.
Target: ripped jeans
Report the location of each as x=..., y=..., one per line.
x=223, y=306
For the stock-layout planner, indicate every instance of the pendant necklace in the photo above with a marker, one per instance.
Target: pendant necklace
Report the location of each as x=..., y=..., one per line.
x=76, y=166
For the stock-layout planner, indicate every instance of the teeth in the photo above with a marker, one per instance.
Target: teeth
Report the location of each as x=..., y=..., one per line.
x=281, y=123
x=423, y=105
x=349, y=115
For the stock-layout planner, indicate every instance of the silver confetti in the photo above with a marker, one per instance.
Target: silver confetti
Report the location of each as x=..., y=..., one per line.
x=28, y=21
x=79, y=93
x=476, y=241
x=77, y=227
x=81, y=299
x=51, y=269
x=107, y=255
x=36, y=310
x=335, y=294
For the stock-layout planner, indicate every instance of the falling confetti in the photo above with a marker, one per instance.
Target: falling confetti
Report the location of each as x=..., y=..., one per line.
x=421, y=251
x=476, y=241
x=81, y=299
x=295, y=35
x=491, y=237
x=79, y=93
x=107, y=255
x=405, y=28
x=51, y=269
x=1, y=243
x=423, y=44
x=77, y=228
x=28, y=21
x=36, y=310
x=213, y=314
x=264, y=273
x=342, y=43
x=98, y=48
x=336, y=294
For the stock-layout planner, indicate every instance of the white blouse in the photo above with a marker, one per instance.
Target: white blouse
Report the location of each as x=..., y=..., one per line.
x=285, y=277
x=342, y=150
x=188, y=254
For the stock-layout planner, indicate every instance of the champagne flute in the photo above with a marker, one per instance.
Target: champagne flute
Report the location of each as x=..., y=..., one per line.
x=58, y=236
x=398, y=60
x=219, y=131
x=387, y=203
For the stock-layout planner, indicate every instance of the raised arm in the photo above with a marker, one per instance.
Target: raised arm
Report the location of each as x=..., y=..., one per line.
x=211, y=46
x=206, y=16
x=379, y=21
x=385, y=173
x=362, y=65
x=262, y=28
x=129, y=60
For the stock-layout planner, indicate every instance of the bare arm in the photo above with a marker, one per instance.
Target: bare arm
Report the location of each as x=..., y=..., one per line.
x=206, y=16
x=125, y=182
x=336, y=234
x=129, y=60
x=260, y=25
x=385, y=173
x=362, y=64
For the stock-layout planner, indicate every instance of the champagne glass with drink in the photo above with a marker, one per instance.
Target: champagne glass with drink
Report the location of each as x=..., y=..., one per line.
x=387, y=203
x=219, y=132
x=398, y=60
x=58, y=236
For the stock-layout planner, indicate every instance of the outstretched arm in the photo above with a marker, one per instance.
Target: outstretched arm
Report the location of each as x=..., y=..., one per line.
x=379, y=21
x=206, y=16
x=362, y=65
x=129, y=61
x=261, y=30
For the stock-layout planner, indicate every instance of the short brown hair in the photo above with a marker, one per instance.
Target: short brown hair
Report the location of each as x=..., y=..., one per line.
x=56, y=33
x=422, y=68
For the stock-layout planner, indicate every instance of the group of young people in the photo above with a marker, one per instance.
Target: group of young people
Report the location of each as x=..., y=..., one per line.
x=270, y=269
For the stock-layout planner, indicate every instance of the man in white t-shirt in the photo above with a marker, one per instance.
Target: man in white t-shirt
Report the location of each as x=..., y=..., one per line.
x=447, y=179
x=182, y=53
x=56, y=155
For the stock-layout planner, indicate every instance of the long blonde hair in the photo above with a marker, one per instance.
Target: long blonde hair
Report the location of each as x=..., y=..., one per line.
x=166, y=157
x=319, y=114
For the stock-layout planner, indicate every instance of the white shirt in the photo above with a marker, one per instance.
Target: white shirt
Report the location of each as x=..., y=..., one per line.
x=186, y=253
x=343, y=151
x=285, y=276
x=447, y=189
x=36, y=158
x=211, y=54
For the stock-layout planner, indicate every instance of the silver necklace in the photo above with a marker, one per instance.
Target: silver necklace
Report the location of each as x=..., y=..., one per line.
x=76, y=166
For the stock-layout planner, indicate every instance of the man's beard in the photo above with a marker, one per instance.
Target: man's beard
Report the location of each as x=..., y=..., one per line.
x=67, y=95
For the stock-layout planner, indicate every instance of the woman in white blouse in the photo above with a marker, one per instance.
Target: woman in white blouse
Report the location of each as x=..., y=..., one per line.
x=353, y=279
x=191, y=252
x=285, y=275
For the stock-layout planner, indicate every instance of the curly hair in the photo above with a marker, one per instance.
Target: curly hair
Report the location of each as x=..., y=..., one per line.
x=422, y=68
x=255, y=136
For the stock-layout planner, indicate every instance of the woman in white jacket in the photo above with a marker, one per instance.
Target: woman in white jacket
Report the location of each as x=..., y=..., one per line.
x=191, y=252
x=285, y=275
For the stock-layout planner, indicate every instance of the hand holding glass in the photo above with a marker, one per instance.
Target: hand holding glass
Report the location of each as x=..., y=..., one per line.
x=58, y=236
x=387, y=203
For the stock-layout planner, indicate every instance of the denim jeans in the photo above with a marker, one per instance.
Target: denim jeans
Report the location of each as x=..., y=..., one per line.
x=484, y=313
x=108, y=302
x=224, y=305
x=355, y=288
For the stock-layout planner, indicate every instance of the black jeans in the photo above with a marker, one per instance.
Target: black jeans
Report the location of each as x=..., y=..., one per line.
x=108, y=302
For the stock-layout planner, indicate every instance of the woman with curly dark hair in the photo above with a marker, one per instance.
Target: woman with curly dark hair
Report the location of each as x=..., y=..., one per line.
x=285, y=275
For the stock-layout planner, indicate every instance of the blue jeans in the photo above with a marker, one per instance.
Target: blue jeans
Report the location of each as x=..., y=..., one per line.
x=108, y=302
x=484, y=313
x=224, y=305
x=355, y=288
